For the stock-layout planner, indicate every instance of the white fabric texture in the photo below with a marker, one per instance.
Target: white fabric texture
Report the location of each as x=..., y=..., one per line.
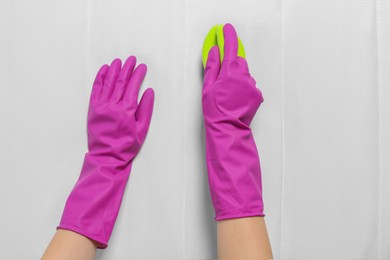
x=322, y=132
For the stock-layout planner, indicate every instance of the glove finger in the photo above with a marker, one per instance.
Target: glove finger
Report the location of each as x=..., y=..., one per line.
x=98, y=83
x=212, y=67
x=243, y=63
x=130, y=97
x=123, y=79
x=144, y=112
x=230, y=42
x=109, y=82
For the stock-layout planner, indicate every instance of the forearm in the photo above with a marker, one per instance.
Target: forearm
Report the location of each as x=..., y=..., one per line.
x=234, y=172
x=243, y=238
x=93, y=205
x=69, y=245
x=117, y=126
x=230, y=99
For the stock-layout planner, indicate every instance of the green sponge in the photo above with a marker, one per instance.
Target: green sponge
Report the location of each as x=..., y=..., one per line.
x=215, y=38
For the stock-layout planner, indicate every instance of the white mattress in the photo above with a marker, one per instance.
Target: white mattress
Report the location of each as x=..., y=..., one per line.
x=322, y=132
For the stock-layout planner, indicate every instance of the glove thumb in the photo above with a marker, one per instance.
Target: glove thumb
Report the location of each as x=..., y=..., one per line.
x=143, y=115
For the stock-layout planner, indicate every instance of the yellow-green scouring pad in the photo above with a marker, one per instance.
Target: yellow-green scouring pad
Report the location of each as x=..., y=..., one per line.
x=215, y=38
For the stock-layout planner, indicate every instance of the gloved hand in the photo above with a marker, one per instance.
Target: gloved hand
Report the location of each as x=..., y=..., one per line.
x=230, y=100
x=117, y=127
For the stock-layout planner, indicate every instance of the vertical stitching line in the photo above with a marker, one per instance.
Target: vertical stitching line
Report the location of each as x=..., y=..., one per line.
x=379, y=93
x=283, y=128
x=185, y=124
x=88, y=46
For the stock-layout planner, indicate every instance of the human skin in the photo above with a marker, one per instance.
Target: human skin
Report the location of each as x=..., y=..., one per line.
x=243, y=238
x=70, y=245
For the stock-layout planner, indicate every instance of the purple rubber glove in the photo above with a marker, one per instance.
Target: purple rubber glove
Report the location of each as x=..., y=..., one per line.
x=117, y=127
x=230, y=100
